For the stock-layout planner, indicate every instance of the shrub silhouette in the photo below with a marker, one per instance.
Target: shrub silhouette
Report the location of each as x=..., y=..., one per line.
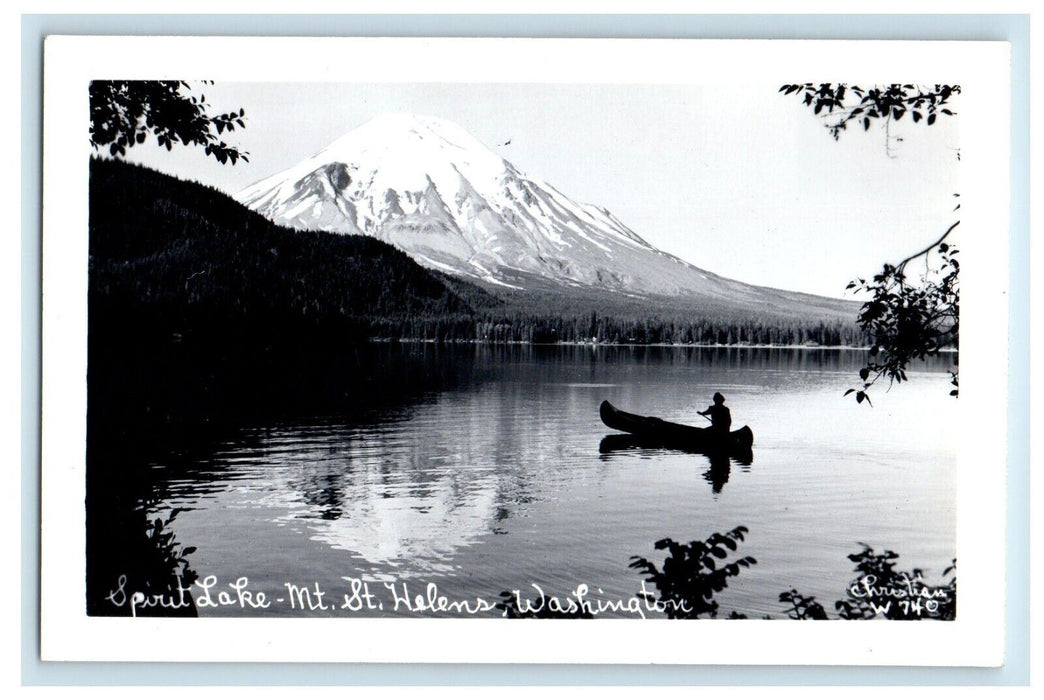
x=693, y=573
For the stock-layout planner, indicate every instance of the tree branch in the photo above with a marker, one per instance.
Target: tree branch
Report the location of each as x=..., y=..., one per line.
x=927, y=250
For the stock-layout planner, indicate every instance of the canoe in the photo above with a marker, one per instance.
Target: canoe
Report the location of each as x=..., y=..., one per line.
x=685, y=437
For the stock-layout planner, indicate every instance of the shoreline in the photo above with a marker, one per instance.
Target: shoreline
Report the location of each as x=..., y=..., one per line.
x=734, y=346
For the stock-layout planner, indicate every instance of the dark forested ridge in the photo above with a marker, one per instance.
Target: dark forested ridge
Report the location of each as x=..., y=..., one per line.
x=182, y=258
x=178, y=259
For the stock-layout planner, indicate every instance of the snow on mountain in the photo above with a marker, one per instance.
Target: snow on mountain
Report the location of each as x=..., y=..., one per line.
x=428, y=187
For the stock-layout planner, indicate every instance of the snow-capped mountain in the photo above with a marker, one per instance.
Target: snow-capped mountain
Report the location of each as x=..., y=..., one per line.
x=428, y=187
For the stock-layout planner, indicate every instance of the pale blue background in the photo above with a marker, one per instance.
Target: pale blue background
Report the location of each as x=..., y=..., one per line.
x=1012, y=28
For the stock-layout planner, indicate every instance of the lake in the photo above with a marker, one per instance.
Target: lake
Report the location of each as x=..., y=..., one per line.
x=492, y=478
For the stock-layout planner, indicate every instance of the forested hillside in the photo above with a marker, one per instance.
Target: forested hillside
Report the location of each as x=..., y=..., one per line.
x=176, y=260
x=178, y=257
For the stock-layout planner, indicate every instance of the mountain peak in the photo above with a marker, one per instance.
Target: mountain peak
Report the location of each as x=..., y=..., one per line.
x=426, y=140
x=427, y=186
x=396, y=125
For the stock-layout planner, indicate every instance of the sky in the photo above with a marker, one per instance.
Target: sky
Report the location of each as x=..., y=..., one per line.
x=739, y=180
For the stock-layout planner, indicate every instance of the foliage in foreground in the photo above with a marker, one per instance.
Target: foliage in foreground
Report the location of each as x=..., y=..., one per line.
x=881, y=591
x=911, y=321
x=692, y=574
x=841, y=104
x=905, y=319
x=125, y=112
x=137, y=567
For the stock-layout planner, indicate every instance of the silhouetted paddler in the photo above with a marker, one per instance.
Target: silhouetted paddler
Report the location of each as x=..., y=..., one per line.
x=719, y=414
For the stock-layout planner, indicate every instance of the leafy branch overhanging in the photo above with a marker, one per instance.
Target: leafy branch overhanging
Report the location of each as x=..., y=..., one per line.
x=905, y=319
x=125, y=112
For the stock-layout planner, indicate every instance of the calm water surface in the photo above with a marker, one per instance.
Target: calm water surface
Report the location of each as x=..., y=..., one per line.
x=496, y=482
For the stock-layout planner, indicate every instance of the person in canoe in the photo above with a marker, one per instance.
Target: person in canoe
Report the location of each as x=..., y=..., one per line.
x=719, y=414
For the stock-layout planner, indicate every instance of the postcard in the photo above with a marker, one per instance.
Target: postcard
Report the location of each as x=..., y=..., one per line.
x=524, y=350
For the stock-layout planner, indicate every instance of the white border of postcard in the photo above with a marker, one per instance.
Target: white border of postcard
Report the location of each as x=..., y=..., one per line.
x=976, y=638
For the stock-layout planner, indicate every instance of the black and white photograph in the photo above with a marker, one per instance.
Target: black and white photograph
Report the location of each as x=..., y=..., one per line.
x=561, y=349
